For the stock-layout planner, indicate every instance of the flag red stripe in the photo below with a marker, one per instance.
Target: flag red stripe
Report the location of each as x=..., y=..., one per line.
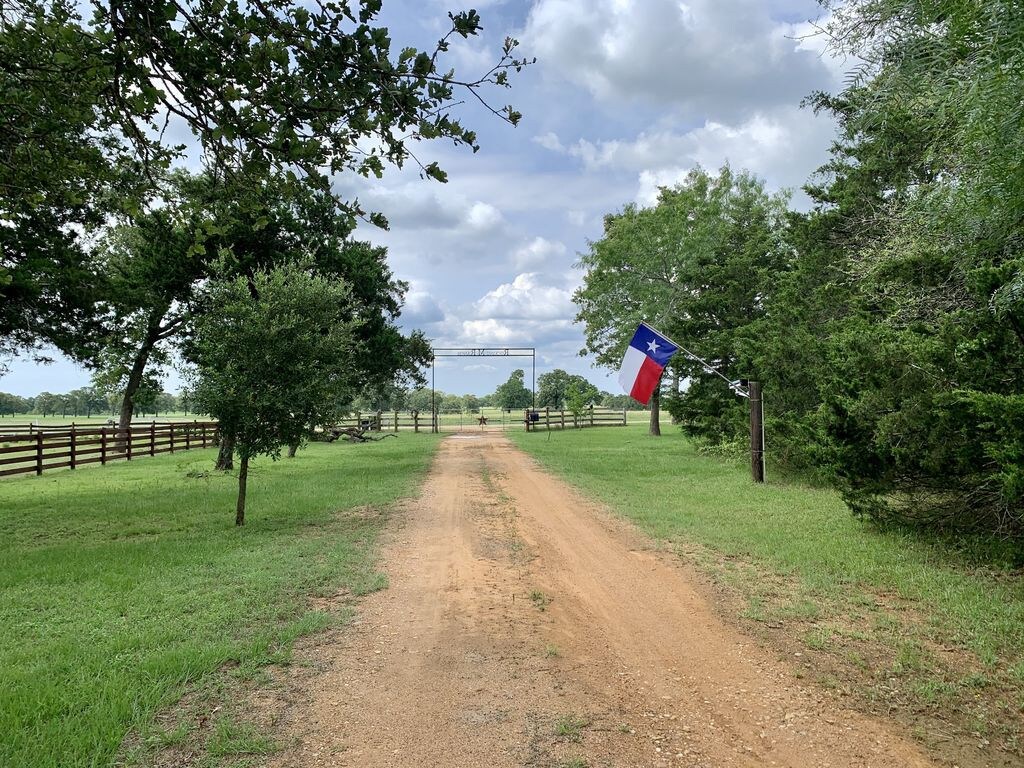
x=646, y=381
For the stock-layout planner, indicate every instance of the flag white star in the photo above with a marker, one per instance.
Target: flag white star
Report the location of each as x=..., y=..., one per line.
x=652, y=346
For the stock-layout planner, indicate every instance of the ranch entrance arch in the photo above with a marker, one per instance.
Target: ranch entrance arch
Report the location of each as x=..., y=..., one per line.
x=436, y=352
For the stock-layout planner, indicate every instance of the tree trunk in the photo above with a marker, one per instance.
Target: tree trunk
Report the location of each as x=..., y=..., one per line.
x=243, y=475
x=131, y=387
x=675, y=393
x=292, y=449
x=656, y=411
x=226, y=454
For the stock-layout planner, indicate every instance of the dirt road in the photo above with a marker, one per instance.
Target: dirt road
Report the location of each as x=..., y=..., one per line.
x=524, y=626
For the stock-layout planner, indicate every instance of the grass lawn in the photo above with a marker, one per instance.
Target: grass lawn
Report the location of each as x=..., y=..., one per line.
x=797, y=557
x=121, y=586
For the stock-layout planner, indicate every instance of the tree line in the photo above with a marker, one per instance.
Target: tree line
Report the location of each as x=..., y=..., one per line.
x=886, y=323
x=555, y=389
x=90, y=401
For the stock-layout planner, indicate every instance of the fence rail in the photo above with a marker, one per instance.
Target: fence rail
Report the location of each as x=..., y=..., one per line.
x=68, y=447
x=548, y=418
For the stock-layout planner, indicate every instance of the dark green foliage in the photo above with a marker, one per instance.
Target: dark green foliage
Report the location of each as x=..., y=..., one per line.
x=267, y=89
x=513, y=393
x=555, y=387
x=695, y=266
x=895, y=339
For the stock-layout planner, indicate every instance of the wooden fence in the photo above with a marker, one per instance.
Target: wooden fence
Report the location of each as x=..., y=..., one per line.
x=32, y=449
x=547, y=418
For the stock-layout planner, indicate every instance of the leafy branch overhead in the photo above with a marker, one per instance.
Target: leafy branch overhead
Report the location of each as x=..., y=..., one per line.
x=99, y=97
x=275, y=85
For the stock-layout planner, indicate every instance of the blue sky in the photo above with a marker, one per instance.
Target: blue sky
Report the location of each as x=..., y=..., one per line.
x=626, y=96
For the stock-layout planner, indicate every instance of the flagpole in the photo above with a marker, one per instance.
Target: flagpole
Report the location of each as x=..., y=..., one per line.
x=708, y=368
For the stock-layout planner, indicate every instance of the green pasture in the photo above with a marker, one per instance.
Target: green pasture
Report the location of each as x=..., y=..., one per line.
x=800, y=560
x=122, y=586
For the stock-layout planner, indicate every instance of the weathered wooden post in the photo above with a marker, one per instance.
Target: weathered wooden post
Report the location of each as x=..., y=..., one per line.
x=74, y=446
x=39, y=453
x=415, y=421
x=756, y=432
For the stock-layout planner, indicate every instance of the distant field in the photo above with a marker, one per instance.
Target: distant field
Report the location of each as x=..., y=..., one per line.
x=911, y=625
x=121, y=586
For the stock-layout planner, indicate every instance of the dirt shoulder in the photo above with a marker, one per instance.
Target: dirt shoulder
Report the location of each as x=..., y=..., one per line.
x=524, y=626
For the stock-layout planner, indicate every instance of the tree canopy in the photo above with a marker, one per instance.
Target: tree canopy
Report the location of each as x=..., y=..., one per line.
x=272, y=357
x=272, y=88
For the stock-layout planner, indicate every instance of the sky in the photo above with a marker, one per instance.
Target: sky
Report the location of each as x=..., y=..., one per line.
x=626, y=96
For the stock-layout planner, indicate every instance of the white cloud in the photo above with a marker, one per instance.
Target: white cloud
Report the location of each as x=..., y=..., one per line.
x=420, y=309
x=537, y=253
x=550, y=141
x=713, y=58
x=530, y=296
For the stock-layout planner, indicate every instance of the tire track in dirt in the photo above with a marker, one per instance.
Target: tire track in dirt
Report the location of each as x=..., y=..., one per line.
x=524, y=626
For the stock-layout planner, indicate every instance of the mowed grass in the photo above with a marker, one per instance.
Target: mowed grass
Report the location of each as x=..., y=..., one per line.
x=121, y=586
x=805, y=534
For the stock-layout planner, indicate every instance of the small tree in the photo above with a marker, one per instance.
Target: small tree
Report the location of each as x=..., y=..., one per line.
x=271, y=358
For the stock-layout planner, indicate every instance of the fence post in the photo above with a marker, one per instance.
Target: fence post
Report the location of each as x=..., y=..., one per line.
x=39, y=453
x=204, y=435
x=103, y=446
x=74, y=445
x=562, y=412
x=171, y=429
x=378, y=425
x=591, y=415
x=152, y=438
x=756, y=432
x=188, y=437
x=415, y=421
x=128, y=443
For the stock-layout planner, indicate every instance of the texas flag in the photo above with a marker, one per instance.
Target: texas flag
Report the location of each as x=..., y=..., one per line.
x=646, y=357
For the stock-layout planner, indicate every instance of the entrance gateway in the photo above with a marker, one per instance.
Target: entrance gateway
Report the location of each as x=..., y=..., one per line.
x=436, y=352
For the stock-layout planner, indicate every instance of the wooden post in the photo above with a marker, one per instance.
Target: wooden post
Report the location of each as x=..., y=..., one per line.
x=152, y=438
x=103, y=446
x=756, y=432
x=415, y=421
x=188, y=438
x=204, y=435
x=547, y=416
x=624, y=422
x=39, y=453
x=396, y=421
x=128, y=443
x=562, y=412
x=170, y=428
x=74, y=447
x=378, y=425
x=591, y=415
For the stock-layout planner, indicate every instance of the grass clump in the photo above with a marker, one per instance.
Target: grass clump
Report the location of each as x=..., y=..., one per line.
x=123, y=586
x=570, y=728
